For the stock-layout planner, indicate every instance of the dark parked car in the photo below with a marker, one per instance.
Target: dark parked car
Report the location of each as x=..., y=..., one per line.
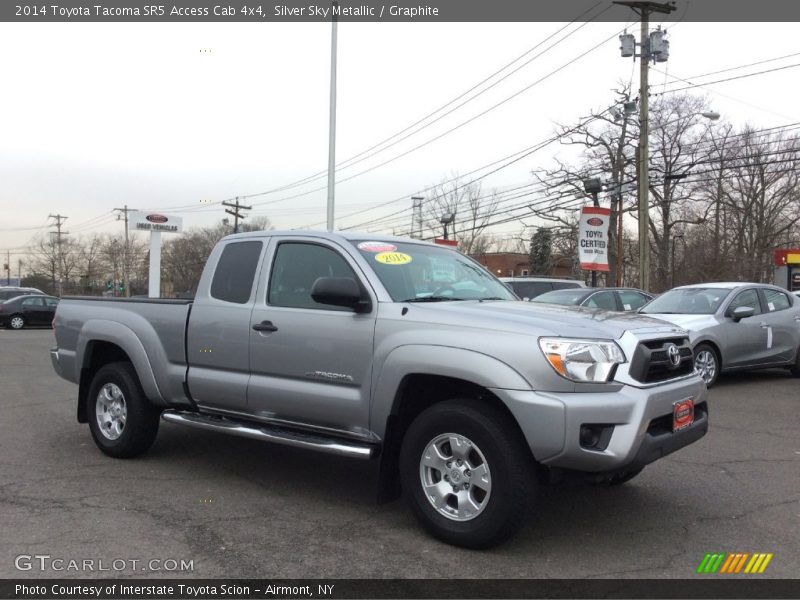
x=616, y=299
x=528, y=288
x=9, y=292
x=31, y=309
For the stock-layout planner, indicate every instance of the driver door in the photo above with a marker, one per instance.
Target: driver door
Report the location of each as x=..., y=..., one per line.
x=747, y=338
x=312, y=363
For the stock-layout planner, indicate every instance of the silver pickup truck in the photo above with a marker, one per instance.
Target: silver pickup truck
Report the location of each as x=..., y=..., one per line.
x=389, y=349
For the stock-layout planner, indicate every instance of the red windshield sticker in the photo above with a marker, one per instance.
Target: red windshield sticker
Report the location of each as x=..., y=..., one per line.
x=376, y=247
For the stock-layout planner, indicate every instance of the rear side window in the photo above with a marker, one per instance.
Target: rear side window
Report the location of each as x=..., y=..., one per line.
x=236, y=272
x=33, y=302
x=776, y=300
x=564, y=285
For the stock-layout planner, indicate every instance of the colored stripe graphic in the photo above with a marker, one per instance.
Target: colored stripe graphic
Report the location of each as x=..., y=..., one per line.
x=727, y=564
x=765, y=563
x=741, y=561
x=735, y=562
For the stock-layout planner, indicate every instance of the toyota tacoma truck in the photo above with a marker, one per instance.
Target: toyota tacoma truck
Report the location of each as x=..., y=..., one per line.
x=396, y=350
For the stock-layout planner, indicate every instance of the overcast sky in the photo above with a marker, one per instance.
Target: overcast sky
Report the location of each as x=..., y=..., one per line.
x=159, y=116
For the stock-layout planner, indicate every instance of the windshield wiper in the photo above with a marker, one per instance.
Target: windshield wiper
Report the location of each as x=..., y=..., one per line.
x=491, y=298
x=432, y=299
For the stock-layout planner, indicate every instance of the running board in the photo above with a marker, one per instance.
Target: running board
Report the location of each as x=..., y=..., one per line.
x=268, y=433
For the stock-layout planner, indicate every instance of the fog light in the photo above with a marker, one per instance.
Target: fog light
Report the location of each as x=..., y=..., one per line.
x=588, y=436
x=595, y=436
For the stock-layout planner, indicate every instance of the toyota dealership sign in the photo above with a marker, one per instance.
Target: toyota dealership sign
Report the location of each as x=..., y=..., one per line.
x=593, y=238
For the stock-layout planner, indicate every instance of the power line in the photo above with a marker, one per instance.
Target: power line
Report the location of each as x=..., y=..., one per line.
x=744, y=76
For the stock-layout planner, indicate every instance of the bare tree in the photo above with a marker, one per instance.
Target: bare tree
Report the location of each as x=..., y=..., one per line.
x=472, y=209
x=607, y=144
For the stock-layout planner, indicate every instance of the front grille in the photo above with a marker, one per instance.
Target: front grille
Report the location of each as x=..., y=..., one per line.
x=651, y=362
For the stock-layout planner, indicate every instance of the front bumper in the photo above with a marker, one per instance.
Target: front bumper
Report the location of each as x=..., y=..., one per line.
x=641, y=420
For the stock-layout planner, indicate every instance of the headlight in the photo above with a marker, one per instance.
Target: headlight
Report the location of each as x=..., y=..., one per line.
x=582, y=360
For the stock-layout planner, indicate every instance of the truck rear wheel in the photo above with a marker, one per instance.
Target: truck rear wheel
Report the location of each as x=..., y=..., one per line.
x=466, y=473
x=122, y=420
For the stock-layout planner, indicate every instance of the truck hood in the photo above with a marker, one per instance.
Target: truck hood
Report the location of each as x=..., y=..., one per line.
x=539, y=319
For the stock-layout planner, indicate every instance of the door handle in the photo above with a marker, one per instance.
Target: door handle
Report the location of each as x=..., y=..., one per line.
x=265, y=326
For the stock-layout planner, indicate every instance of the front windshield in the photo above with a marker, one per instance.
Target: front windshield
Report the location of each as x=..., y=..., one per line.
x=687, y=301
x=564, y=297
x=428, y=273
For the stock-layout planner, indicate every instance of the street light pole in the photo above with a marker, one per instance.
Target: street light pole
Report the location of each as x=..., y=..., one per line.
x=332, y=121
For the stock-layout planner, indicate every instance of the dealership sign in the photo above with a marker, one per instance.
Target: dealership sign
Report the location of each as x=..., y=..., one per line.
x=144, y=221
x=156, y=224
x=593, y=238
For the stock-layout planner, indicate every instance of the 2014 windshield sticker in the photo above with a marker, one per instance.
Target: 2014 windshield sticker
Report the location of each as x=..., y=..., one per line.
x=377, y=247
x=393, y=258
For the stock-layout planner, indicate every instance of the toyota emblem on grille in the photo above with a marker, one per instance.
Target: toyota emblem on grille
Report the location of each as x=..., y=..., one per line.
x=674, y=355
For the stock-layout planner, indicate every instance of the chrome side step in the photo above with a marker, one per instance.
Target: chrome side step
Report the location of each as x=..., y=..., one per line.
x=269, y=433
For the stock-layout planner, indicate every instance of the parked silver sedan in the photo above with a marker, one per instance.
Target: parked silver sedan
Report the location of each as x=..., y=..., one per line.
x=734, y=326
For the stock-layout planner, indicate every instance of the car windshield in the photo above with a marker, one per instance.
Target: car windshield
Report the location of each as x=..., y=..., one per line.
x=687, y=301
x=565, y=297
x=428, y=273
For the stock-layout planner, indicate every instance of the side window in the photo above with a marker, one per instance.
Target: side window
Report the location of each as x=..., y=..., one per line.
x=604, y=300
x=632, y=300
x=776, y=300
x=296, y=267
x=236, y=272
x=564, y=285
x=51, y=302
x=33, y=302
x=746, y=298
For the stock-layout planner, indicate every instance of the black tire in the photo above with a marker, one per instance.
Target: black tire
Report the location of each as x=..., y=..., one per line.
x=509, y=461
x=16, y=322
x=141, y=418
x=619, y=478
x=709, y=349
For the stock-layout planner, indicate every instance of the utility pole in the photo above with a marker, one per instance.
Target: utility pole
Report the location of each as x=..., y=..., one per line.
x=60, y=255
x=126, y=278
x=235, y=212
x=8, y=268
x=332, y=121
x=416, y=217
x=653, y=47
x=19, y=270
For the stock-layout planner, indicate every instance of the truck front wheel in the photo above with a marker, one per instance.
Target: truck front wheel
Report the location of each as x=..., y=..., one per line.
x=122, y=420
x=466, y=473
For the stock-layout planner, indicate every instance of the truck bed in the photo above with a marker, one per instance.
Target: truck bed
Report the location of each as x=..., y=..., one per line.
x=152, y=331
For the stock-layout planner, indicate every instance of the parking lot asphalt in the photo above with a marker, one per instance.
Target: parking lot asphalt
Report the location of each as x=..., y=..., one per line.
x=243, y=508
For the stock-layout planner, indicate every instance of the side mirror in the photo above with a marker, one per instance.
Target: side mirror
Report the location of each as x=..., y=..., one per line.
x=742, y=312
x=340, y=291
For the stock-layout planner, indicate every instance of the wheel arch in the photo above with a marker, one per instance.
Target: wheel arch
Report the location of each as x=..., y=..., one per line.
x=102, y=343
x=714, y=346
x=409, y=383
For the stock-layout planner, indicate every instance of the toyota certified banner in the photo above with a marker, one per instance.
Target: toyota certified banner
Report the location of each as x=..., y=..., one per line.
x=593, y=238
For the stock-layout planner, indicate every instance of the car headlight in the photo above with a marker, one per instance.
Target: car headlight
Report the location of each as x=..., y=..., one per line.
x=590, y=361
